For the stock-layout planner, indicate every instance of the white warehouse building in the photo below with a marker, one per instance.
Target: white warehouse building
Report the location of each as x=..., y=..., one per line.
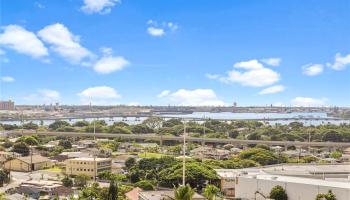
x=259, y=186
x=301, y=182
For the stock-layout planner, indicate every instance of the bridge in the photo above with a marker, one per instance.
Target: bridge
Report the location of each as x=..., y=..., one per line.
x=162, y=138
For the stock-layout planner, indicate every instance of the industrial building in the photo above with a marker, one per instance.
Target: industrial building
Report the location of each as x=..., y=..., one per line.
x=307, y=180
x=88, y=166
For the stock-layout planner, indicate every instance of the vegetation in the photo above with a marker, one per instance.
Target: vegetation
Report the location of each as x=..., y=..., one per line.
x=211, y=192
x=250, y=130
x=184, y=193
x=81, y=180
x=4, y=177
x=328, y=196
x=67, y=182
x=278, y=193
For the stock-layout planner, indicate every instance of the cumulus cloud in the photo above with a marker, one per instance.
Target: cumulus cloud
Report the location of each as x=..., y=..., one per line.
x=164, y=93
x=98, y=6
x=341, y=62
x=109, y=64
x=196, y=97
x=250, y=73
x=312, y=69
x=7, y=79
x=19, y=39
x=272, y=61
x=308, y=102
x=64, y=43
x=99, y=95
x=272, y=90
x=157, y=32
x=159, y=29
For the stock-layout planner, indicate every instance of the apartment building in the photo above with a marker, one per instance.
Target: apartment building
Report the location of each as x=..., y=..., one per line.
x=7, y=105
x=88, y=166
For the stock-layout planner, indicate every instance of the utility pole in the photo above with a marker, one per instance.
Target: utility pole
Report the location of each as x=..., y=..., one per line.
x=94, y=153
x=31, y=159
x=184, y=157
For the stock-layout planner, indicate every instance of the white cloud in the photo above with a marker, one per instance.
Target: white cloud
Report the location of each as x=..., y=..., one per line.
x=159, y=29
x=212, y=76
x=49, y=94
x=197, y=97
x=39, y=5
x=308, y=101
x=272, y=90
x=341, y=62
x=43, y=96
x=272, y=61
x=7, y=79
x=64, y=43
x=99, y=95
x=98, y=6
x=164, y=93
x=312, y=69
x=109, y=64
x=157, y=32
x=23, y=41
x=254, y=74
x=249, y=65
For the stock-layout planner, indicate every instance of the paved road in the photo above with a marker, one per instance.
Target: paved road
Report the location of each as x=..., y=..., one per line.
x=155, y=137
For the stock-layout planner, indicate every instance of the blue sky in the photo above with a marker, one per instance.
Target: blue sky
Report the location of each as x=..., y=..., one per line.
x=178, y=52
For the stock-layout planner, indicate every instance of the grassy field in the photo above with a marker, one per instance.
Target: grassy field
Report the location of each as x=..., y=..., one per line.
x=54, y=169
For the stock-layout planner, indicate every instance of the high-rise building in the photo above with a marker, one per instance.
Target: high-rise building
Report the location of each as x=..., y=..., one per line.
x=7, y=105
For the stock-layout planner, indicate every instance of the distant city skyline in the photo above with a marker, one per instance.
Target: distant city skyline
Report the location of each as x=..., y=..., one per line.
x=133, y=52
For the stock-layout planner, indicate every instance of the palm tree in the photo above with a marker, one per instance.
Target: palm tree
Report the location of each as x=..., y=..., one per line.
x=184, y=192
x=211, y=191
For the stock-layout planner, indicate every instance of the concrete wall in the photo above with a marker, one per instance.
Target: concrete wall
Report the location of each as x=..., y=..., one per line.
x=246, y=188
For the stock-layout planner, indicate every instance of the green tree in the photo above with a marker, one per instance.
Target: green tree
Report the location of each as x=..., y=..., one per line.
x=197, y=175
x=278, y=193
x=119, y=129
x=336, y=154
x=91, y=192
x=130, y=162
x=29, y=140
x=153, y=122
x=172, y=122
x=211, y=192
x=58, y=124
x=113, y=191
x=81, y=123
x=328, y=196
x=81, y=180
x=67, y=182
x=65, y=144
x=145, y=185
x=21, y=148
x=141, y=128
x=184, y=192
x=30, y=126
x=4, y=177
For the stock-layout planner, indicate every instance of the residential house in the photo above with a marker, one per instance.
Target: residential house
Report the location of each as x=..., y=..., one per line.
x=28, y=163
